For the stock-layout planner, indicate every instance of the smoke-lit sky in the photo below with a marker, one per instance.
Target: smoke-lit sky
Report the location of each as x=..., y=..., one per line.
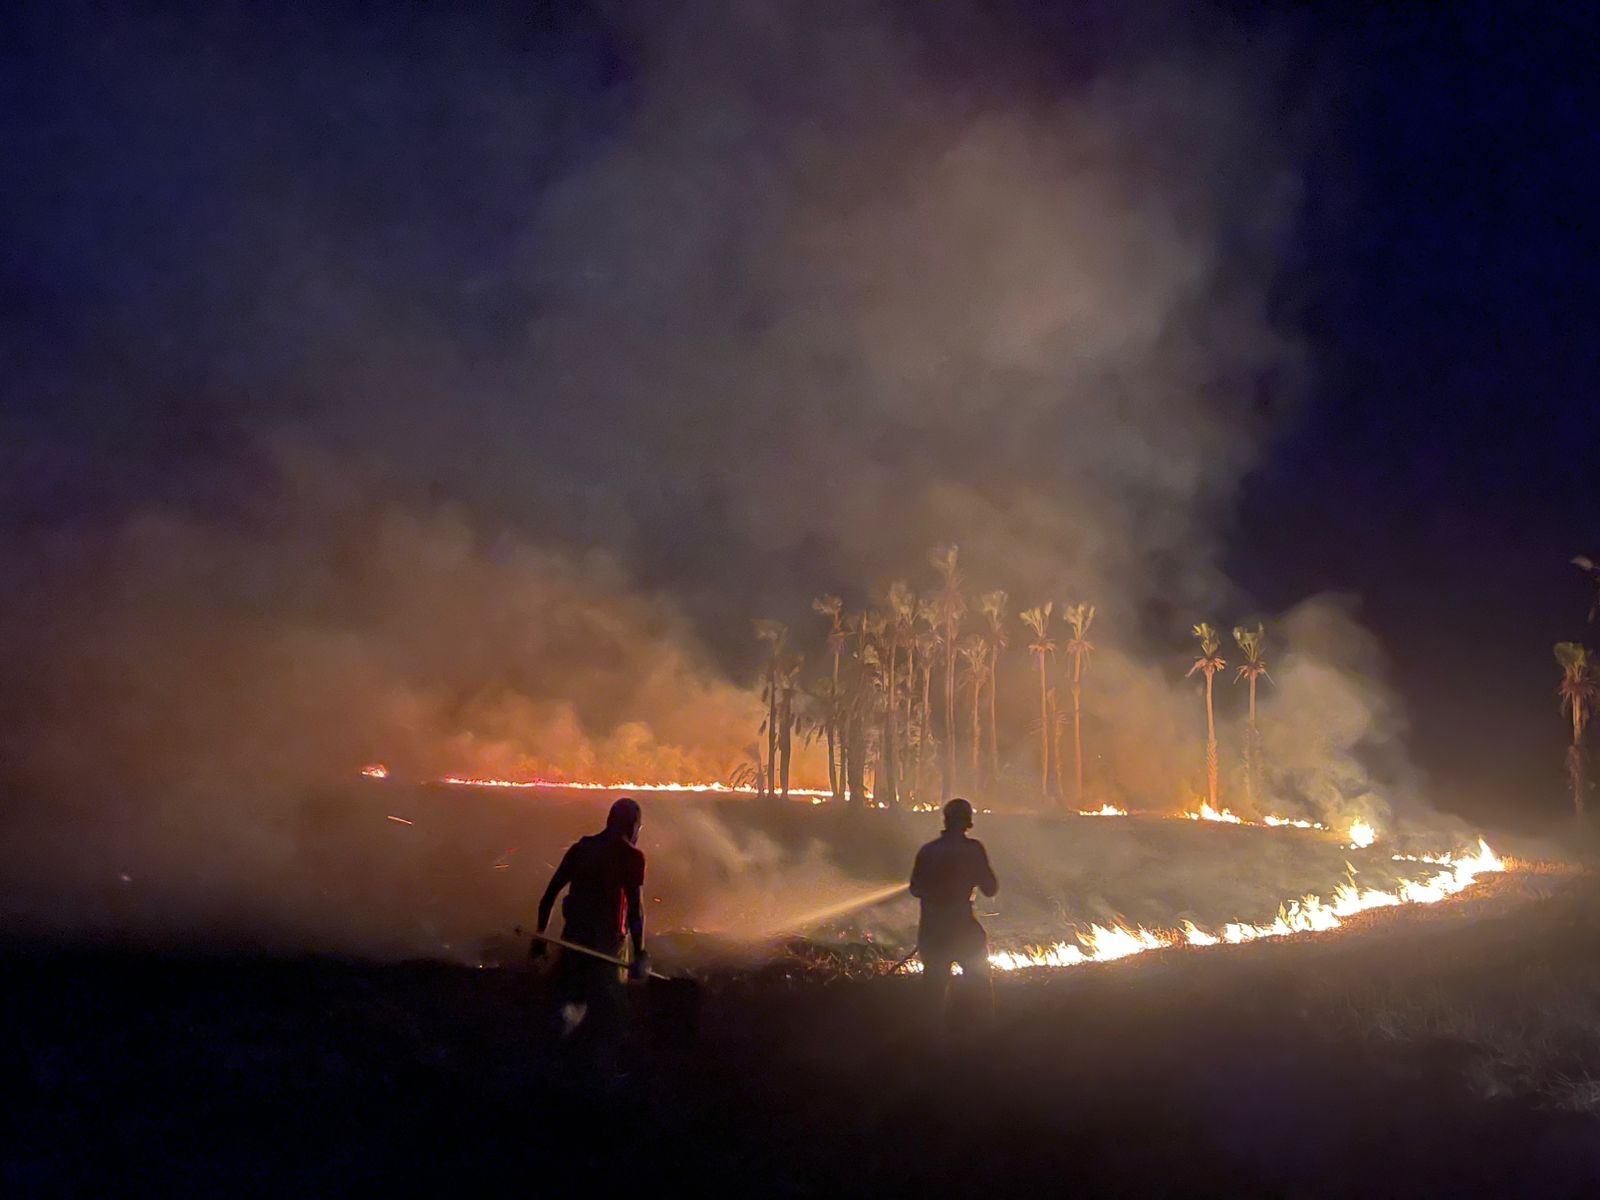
x=321, y=324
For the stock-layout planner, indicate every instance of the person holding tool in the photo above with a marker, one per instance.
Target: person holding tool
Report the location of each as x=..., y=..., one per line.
x=603, y=875
x=943, y=877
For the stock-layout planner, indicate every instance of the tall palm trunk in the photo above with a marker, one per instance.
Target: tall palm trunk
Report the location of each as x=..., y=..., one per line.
x=772, y=730
x=846, y=733
x=844, y=760
x=1044, y=734
x=1077, y=727
x=786, y=741
x=886, y=791
x=948, y=784
x=927, y=715
x=1055, y=745
x=977, y=735
x=907, y=753
x=994, y=741
x=1211, y=743
x=844, y=756
x=833, y=778
x=1252, y=755
x=835, y=766
x=1575, y=772
x=855, y=758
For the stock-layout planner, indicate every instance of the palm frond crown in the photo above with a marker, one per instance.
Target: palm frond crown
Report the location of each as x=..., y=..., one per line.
x=1209, y=661
x=1250, y=642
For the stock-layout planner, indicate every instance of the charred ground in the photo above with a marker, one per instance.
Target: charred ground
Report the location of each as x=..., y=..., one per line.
x=1441, y=1052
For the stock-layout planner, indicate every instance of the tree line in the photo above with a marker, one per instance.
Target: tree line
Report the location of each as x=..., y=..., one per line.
x=908, y=693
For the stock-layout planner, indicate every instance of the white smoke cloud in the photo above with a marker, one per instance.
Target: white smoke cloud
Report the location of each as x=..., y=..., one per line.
x=818, y=299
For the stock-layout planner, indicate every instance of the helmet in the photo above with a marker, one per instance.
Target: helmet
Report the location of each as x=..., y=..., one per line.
x=958, y=814
x=625, y=818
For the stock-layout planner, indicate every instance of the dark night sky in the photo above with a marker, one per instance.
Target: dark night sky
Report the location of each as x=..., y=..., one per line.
x=1442, y=466
x=1445, y=469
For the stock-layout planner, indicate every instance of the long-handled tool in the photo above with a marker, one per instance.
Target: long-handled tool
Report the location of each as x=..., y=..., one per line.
x=577, y=949
x=673, y=1002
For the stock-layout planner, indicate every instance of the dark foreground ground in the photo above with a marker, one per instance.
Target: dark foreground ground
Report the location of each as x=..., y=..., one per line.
x=1449, y=1052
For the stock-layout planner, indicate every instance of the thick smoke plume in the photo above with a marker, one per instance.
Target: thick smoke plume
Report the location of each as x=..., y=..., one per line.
x=796, y=293
x=324, y=629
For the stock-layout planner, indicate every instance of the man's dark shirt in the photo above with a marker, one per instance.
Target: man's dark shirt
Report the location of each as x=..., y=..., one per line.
x=602, y=871
x=946, y=871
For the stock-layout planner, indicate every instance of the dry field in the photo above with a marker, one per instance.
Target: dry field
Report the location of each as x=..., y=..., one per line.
x=1444, y=1051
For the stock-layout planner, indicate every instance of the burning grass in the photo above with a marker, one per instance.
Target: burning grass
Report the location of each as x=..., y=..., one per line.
x=1097, y=890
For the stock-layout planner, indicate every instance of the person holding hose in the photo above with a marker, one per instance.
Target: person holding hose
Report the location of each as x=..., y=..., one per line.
x=945, y=873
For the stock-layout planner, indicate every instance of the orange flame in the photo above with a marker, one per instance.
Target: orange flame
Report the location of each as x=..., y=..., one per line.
x=1362, y=834
x=1309, y=914
x=1292, y=823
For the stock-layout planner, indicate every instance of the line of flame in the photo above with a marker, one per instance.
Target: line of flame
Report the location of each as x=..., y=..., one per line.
x=379, y=771
x=1361, y=833
x=1309, y=914
x=1292, y=823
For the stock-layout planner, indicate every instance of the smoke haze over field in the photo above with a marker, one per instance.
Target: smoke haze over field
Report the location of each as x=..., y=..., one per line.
x=463, y=412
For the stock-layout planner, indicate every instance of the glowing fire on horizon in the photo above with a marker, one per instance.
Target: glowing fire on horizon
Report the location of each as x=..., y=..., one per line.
x=626, y=785
x=1362, y=834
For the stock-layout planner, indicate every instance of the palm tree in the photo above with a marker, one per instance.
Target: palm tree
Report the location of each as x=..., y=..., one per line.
x=1043, y=646
x=1080, y=617
x=1210, y=662
x=833, y=608
x=975, y=653
x=1578, y=691
x=1254, y=668
x=952, y=607
x=993, y=605
x=774, y=633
